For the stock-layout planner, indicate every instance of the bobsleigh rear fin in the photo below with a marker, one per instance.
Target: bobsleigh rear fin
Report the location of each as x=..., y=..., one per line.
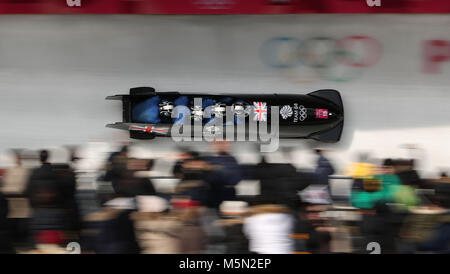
x=120, y=125
x=130, y=126
x=126, y=106
x=115, y=97
x=332, y=135
x=330, y=95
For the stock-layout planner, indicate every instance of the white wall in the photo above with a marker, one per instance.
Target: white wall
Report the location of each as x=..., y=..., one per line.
x=56, y=70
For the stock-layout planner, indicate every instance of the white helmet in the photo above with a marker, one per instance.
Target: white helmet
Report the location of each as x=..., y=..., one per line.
x=197, y=113
x=165, y=108
x=219, y=109
x=241, y=109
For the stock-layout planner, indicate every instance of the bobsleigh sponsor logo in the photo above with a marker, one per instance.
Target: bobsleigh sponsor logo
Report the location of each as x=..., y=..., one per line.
x=321, y=113
x=286, y=112
x=260, y=111
x=229, y=126
x=321, y=57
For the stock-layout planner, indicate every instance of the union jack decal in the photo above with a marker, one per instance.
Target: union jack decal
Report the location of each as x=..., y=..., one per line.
x=150, y=129
x=260, y=110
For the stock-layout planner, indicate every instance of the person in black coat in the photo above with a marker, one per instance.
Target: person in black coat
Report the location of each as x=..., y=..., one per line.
x=116, y=167
x=407, y=173
x=323, y=169
x=68, y=185
x=6, y=246
x=221, y=180
x=46, y=192
x=130, y=184
x=43, y=186
x=280, y=183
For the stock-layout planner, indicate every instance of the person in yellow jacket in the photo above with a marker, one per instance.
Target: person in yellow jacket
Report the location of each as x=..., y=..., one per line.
x=361, y=169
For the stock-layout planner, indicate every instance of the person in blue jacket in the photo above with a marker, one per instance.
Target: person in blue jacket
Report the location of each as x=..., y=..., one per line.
x=222, y=179
x=323, y=169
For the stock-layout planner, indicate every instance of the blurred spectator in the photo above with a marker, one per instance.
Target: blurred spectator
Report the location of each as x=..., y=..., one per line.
x=43, y=179
x=280, y=183
x=73, y=157
x=221, y=174
x=312, y=232
x=6, y=245
x=191, y=169
x=116, y=167
x=221, y=181
x=234, y=213
x=361, y=197
x=183, y=156
x=379, y=225
x=131, y=183
x=193, y=239
x=68, y=186
x=15, y=178
x=305, y=237
x=362, y=168
x=406, y=172
x=427, y=228
x=269, y=228
x=13, y=187
x=157, y=230
x=160, y=231
x=110, y=230
x=381, y=221
x=46, y=193
x=443, y=178
x=323, y=168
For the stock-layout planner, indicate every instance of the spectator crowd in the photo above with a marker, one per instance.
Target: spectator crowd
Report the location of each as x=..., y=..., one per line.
x=295, y=211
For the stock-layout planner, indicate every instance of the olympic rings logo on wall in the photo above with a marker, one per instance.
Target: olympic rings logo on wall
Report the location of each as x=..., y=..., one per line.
x=330, y=59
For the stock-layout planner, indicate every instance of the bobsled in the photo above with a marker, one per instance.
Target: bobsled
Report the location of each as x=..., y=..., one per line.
x=146, y=114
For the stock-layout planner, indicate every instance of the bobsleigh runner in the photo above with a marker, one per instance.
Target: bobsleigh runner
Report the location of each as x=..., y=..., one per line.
x=318, y=115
